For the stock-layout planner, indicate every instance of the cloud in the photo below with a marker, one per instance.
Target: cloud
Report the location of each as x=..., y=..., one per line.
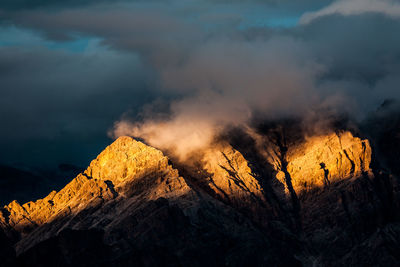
x=331, y=64
x=226, y=84
x=36, y=4
x=53, y=100
x=210, y=70
x=389, y=8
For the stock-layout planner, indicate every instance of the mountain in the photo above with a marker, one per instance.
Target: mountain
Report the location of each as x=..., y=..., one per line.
x=317, y=202
x=321, y=160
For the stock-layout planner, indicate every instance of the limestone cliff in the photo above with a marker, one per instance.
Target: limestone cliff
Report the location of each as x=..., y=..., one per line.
x=133, y=206
x=131, y=169
x=125, y=178
x=229, y=176
x=321, y=160
x=124, y=161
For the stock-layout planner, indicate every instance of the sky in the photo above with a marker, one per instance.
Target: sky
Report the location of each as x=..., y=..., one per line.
x=76, y=74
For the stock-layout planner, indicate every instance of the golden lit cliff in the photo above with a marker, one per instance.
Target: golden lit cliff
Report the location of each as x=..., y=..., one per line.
x=321, y=160
x=134, y=203
x=124, y=161
x=226, y=175
x=230, y=175
x=127, y=173
x=126, y=166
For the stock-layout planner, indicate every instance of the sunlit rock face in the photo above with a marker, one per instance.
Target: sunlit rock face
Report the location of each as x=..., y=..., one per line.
x=124, y=162
x=130, y=169
x=226, y=174
x=131, y=203
x=135, y=206
x=127, y=161
x=26, y=217
x=321, y=160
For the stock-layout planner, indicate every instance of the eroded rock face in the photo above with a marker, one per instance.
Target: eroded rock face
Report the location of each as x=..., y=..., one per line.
x=229, y=176
x=125, y=161
x=133, y=207
x=140, y=203
x=24, y=218
x=321, y=160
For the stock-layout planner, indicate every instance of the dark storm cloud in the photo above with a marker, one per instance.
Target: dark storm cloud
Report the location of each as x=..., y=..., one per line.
x=59, y=95
x=28, y=4
x=358, y=49
x=35, y=4
x=346, y=63
x=216, y=70
x=151, y=31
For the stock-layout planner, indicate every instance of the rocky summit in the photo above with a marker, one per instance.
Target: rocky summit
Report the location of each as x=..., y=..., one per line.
x=324, y=201
x=321, y=160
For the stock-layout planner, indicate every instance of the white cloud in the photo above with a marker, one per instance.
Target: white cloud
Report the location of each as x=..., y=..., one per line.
x=389, y=8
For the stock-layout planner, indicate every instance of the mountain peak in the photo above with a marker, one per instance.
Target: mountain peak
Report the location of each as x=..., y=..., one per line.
x=124, y=159
x=132, y=202
x=328, y=158
x=123, y=162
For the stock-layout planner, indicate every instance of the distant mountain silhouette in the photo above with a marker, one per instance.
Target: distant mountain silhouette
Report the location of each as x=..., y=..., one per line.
x=26, y=185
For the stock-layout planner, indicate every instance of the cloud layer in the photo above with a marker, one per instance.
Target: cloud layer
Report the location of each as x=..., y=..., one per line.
x=212, y=64
x=389, y=8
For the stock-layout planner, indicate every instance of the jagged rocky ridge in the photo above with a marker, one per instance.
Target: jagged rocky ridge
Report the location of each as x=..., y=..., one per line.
x=321, y=160
x=317, y=203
